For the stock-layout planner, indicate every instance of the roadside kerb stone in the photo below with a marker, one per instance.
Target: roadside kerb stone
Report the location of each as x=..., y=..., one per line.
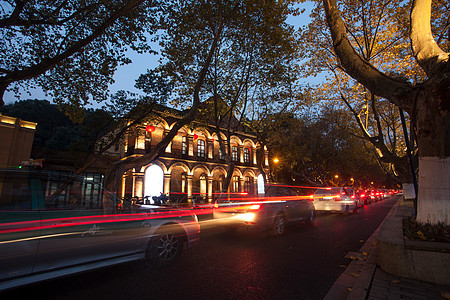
x=427, y=261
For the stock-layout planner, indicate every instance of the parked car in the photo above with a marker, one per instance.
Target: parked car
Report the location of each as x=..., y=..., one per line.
x=54, y=224
x=281, y=205
x=335, y=199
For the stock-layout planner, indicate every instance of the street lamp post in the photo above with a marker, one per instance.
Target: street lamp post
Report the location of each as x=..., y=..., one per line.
x=337, y=179
x=275, y=161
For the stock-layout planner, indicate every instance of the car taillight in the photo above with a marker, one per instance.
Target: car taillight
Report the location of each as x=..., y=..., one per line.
x=363, y=195
x=337, y=198
x=353, y=197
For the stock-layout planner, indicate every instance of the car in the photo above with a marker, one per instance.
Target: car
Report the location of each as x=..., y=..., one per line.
x=280, y=206
x=363, y=197
x=54, y=224
x=375, y=195
x=335, y=199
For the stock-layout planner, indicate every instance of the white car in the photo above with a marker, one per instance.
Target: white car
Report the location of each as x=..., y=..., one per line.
x=54, y=224
x=335, y=199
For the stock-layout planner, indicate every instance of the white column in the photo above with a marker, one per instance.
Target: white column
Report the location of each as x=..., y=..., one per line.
x=189, y=187
x=210, y=186
x=166, y=184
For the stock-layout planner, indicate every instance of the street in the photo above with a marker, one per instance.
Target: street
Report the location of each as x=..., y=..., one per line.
x=302, y=264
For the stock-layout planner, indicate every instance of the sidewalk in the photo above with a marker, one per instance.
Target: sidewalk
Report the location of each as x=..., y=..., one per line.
x=363, y=278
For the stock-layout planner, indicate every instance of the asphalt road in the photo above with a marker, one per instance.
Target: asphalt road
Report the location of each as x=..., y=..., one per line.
x=302, y=264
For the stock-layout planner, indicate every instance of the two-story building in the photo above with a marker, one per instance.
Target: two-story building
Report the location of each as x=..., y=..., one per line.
x=192, y=166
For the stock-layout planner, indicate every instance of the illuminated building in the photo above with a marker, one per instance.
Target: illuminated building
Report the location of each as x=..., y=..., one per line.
x=16, y=138
x=192, y=167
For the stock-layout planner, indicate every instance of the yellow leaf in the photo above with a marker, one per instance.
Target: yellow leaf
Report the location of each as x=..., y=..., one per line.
x=421, y=235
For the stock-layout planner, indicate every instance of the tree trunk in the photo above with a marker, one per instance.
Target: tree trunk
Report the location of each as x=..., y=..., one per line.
x=434, y=190
x=433, y=134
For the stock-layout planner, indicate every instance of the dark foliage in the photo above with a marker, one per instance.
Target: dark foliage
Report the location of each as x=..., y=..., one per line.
x=426, y=232
x=54, y=128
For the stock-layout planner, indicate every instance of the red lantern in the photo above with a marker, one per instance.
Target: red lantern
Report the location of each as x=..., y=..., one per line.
x=195, y=137
x=150, y=128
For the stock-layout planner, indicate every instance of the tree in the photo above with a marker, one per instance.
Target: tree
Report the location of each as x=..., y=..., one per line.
x=114, y=174
x=374, y=30
x=47, y=115
x=69, y=48
x=312, y=150
x=427, y=102
x=252, y=56
x=254, y=62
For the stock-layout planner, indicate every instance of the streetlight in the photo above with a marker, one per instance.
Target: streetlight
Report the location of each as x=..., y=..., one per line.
x=337, y=179
x=275, y=160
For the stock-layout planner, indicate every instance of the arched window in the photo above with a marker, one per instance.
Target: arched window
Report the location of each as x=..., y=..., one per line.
x=248, y=184
x=236, y=184
x=201, y=148
x=154, y=181
x=234, y=153
x=184, y=146
x=140, y=141
x=184, y=183
x=246, y=155
x=260, y=184
x=148, y=140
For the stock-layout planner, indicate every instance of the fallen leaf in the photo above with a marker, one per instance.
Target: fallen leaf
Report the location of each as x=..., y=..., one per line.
x=365, y=253
x=354, y=274
x=395, y=281
x=421, y=235
x=361, y=241
x=349, y=289
x=342, y=266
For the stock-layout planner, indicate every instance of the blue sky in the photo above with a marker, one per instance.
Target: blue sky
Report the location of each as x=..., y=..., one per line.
x=126, y=75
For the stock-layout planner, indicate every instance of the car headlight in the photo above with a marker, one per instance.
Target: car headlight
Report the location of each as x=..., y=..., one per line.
x=247, y=217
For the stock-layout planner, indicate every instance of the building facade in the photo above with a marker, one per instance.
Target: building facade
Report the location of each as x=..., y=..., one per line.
x=16, y=138
x=192, y=168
